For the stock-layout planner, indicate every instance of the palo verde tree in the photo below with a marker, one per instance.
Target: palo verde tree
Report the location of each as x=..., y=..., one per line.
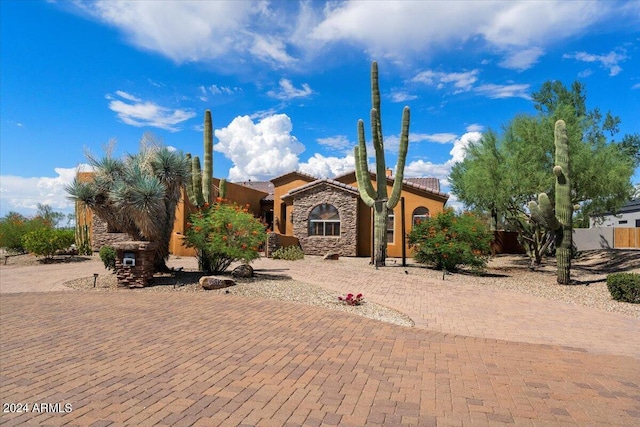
x=378, y=198
x=601, y=169
x=137, y=194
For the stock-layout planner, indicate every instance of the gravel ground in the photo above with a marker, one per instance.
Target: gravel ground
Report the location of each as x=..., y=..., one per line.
x=283, y=290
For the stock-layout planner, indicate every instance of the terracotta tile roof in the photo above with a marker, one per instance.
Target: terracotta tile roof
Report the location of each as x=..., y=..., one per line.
x=303, y=175
x=264, y=186
x=429, y=183
x=317, y=182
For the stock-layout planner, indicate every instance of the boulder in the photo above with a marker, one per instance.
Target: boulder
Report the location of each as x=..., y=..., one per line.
x=243, y=271
x=332, y=256
x=210, y=283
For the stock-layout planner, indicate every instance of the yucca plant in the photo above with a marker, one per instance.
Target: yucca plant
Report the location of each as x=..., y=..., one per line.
x=137, y=194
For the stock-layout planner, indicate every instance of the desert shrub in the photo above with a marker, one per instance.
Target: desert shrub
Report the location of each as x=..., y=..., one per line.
x=108, y=257
x=290, y=253
x=47, y=241
x=14, y=227
x=449, y=240
x=222, y=234
x=624, y=287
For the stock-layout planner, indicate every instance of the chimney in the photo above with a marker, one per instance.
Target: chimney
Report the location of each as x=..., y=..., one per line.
x=389, y=173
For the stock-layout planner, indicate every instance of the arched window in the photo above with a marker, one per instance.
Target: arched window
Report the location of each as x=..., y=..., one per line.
x=324, y=220
x=420, y=214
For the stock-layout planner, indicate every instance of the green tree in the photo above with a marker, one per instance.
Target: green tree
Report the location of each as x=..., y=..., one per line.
x=601, y=169
x=137, y=194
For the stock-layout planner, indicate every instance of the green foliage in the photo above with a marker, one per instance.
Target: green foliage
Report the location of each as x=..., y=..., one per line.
x=138, y=194
x=448, y=240
x=14, y=227
x=46, y=241
x=378, y=199
x=290, y=253
x=222, y=234
x=624, y=287
x=502, y=173
x=108, y=256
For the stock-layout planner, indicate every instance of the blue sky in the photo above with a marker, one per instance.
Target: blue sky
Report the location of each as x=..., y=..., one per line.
x=287, y=81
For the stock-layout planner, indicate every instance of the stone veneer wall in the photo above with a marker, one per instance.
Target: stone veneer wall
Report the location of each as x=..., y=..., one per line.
x=347, y=205
x=100, y=235
x=139, y=275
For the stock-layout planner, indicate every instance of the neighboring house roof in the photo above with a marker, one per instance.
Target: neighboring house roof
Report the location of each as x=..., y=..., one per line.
x=429, y=185
x=264, y=186
x=630, y=207
x=327, y=181
x=299, y=174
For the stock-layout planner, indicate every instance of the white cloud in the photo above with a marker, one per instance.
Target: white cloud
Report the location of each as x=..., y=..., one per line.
x=494, y=91
x=402, y=96
x=22, y=194
x=636, y=86
x=327, y=167
x=421, y=168
x=336, y=143
x=610, y=61
x=282, y=33
x=259, y=151
x=400, y=29
x=288, y=91
x=136, y=112
x=522, y=59
x=475, y=127
x=462, y=82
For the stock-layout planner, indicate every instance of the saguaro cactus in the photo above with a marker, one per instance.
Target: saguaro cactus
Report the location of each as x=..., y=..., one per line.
x=199, y=190
x=378, y=198
x=560, y=221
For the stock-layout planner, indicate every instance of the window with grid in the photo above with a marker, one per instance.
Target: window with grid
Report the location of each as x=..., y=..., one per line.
x=420, y=214
x=324, y=220
x=391, y=219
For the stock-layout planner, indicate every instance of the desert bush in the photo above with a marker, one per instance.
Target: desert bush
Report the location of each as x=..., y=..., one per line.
x=47, y=241
x=14, y=227
x=222, y=234
x=290, y=253
x=624, y=287
x=108, y=257
x=449, y=240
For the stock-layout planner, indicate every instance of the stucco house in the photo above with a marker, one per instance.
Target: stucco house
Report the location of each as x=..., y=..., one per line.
x=321, y=214
x=628, y=216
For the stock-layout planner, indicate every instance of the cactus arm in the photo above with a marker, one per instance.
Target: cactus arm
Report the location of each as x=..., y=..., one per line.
x=402, y=157
x=375, y=96
x=189, y=187
x=208, y=157
x=542, y=213
x=363, y=178
x=196, y=174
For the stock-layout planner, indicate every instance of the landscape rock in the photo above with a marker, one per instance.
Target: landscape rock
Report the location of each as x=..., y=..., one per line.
x=210, y=283
x=244, y=271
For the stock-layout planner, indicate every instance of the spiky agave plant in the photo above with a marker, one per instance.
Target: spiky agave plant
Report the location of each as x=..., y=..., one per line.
x=137, y=195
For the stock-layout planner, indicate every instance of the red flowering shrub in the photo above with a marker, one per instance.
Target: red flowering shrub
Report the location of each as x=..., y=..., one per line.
x=449, y=240
x=222, y=234
x=352, y=300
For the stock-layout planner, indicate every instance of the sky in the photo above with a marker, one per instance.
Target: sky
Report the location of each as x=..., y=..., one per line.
x=287, y=81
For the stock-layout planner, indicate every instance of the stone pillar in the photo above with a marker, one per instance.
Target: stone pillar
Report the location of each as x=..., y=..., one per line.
x=134, y=263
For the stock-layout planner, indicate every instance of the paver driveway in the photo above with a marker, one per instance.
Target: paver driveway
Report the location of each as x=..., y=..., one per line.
x=136, y=358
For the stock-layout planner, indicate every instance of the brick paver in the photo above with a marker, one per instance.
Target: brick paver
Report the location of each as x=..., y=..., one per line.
x=144, y=358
